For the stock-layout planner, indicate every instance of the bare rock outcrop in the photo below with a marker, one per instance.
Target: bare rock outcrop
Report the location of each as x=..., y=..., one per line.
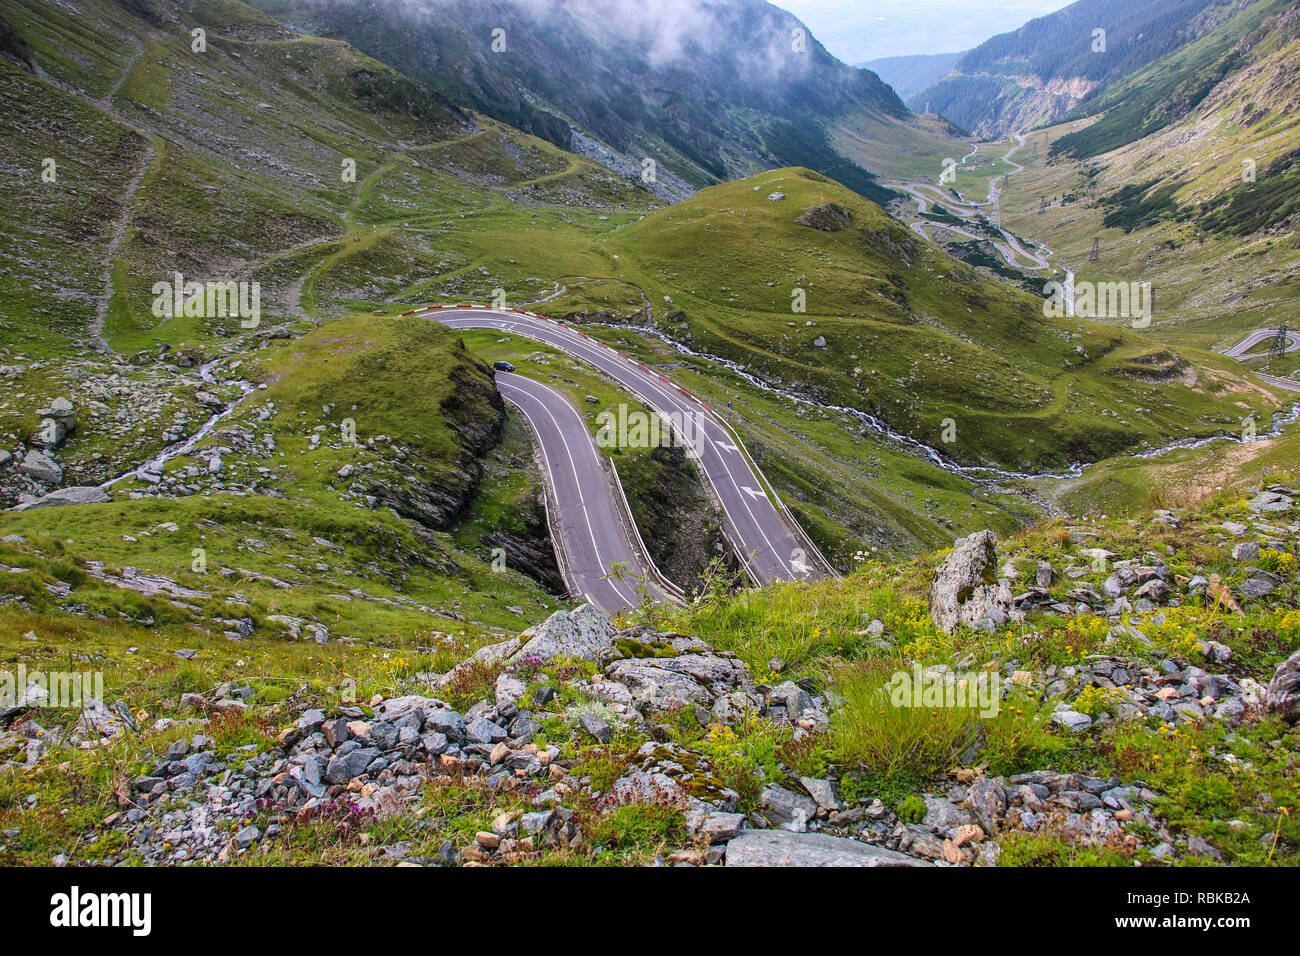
x=1283, y=693
x=828, y=217
x=966, y=589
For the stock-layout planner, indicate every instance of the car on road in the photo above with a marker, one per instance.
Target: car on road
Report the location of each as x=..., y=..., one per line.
x=503, y=366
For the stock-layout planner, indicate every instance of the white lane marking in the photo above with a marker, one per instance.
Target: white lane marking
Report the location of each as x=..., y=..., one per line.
x=648, y=382
x=614, y=583
x=1279, y=382
x=753, y=492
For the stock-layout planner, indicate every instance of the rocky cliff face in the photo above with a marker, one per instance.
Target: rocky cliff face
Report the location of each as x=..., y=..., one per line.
x=680, y=525
x=1001, y=105
x=1037, y=74
x=13, y=47
x=436, y=493
x=670, y=81
x=529, y=548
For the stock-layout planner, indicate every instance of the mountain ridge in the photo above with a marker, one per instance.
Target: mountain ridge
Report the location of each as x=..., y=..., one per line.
x=909, y=74
x=737, y=86
x=1041, y=72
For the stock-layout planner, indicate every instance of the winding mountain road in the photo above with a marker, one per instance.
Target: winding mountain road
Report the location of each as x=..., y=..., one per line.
x=1017, y=256
x=1289, y=384
x=597, y=551
x=1010, y=248
x=1262, y=335
x=1239, y=351
x=768, y=541
x=1011, y=254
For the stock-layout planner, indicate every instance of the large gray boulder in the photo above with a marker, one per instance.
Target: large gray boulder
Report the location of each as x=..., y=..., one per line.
x=41, y=467
x=485, y=657
x=343, y=768
x=966, y=589
x=692, y=673
x=410, y=711
x=584, y=633
x=1283, y=694
x=785, y=808
x=828, y=217
x=60, y=409
x=784, y=848
x=82, y=495
x=57, y=422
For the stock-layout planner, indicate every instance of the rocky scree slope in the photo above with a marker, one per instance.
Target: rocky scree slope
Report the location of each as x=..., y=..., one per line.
x=709, y=91
x=583, y=742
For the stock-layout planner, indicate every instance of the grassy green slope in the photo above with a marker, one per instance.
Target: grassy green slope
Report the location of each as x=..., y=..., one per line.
x=737, y=105
x=910, y=335
x=1172, y=206
x=1217, y=780
x=817, y=632
x=280, y=508
x=450, y=207
x=1167, y=90
x=158, y=172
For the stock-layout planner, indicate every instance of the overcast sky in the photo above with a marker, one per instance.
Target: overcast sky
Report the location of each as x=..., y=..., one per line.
x=860, y=30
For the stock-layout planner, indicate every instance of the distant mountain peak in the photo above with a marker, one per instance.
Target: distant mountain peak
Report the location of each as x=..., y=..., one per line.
x=1039, y=73
x=711, y=89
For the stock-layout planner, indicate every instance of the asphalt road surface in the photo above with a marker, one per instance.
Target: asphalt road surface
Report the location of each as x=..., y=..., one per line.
x=771, y=549
x=1239, y=351
x=1286, y=383
x=1262, y=335
x=594, y=540
x=926, y=194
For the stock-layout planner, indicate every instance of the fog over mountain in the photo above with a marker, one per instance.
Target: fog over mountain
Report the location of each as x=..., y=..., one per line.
x=857, y=32
x=712, y=89
x=451, y=434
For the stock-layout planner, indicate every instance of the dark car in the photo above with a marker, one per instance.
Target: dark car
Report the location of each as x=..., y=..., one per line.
x=503, y=366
